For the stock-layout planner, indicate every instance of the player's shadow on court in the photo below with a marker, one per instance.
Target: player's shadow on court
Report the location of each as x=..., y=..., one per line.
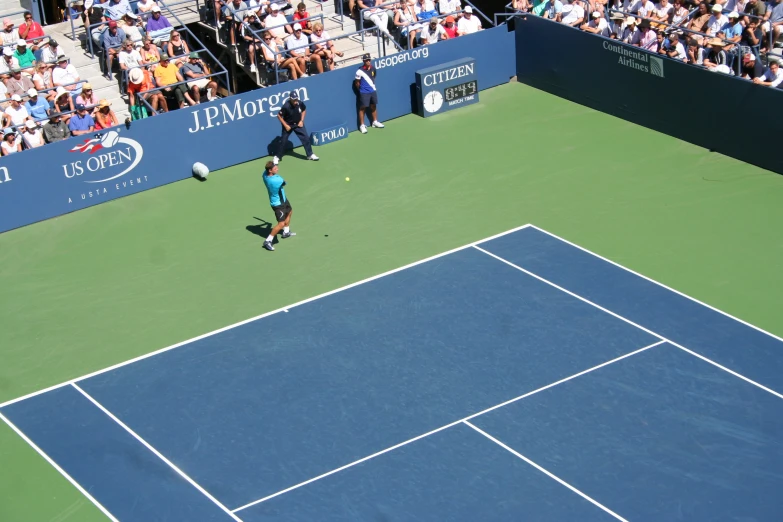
x=261, y=229
x=289, y=148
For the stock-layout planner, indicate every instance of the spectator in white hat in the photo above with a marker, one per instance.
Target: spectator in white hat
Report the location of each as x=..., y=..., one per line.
x=11, y=143
x=751, y=67
x=132, y=28
x=16, y=112
x=157, y=23
x=8, y=63
x=716, y=21
x=596, y=25
x=277, y=24
x=24, y=56
x=298, y=48
x=37, y=106
x=32, y=136
x=63, y=102
x=145, y=7
x=470, y=23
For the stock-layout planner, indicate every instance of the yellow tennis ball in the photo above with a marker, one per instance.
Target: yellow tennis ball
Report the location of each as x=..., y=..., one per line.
x=347, y=179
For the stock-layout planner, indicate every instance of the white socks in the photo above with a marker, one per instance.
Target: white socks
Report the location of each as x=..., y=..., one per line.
x=270, y=238
x=285, y=230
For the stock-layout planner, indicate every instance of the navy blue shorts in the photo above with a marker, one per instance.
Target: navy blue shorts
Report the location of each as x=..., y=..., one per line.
x=366, y=99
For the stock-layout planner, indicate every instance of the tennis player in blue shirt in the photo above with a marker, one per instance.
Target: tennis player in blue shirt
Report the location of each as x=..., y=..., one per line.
x=280, y=204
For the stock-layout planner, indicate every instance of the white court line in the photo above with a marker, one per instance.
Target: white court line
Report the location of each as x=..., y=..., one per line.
x=414, y=439
x=157, y=453
x=545, y=472
x=58, y=468
x=232, y=326
x=618, y=265
x=640, y=327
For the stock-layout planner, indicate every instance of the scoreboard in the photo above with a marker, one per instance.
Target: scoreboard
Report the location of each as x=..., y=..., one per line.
x=447, y=86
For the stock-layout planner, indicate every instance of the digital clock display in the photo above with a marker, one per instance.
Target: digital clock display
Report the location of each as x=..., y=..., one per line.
x=461, y=91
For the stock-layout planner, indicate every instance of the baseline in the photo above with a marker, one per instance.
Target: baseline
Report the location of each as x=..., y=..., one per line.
x=261, y=316
x=444, y=427
x=56, y=466
x=157, y=453
x=618, y=316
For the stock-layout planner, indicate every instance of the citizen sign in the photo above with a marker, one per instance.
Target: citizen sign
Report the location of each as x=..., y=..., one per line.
x=224, y=113
x=449, y=74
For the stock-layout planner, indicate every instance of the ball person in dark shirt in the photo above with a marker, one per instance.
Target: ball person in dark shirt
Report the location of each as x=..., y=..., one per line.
x=292, y=116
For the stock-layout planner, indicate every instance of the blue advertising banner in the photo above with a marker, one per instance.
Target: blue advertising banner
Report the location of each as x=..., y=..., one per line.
x=88, y=170
x=719, y=112
x=324, y=136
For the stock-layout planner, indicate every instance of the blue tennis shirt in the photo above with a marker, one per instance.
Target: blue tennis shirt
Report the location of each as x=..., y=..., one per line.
x=274, y=185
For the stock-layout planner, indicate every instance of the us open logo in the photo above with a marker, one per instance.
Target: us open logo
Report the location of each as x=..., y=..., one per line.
x=103, y=162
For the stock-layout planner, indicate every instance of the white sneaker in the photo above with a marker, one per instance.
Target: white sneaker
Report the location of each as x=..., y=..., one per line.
x=253, y=68
x=377, y=124
x=313, y=157
x=363, y=129
x=275, y=160
x=209, y=95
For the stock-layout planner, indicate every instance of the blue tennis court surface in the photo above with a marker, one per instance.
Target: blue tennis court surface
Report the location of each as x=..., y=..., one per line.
x=518, y=378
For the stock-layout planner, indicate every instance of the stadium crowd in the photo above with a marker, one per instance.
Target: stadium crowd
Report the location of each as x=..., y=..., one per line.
x=732, y=37
x=44, y=100
x=274, y=33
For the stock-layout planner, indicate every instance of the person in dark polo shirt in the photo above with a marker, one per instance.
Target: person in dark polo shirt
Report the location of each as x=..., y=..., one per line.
x=292, y=116
x=55, y=129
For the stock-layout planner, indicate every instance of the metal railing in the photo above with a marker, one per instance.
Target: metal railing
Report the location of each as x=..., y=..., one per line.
x=425, y=22
x=140, y=95
x=285, y=52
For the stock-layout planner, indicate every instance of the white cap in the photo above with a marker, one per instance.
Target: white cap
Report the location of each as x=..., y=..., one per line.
x=32, y=92
x=468, y=9
x=131, y=15
x=717, y=8
x=21, y=43
x=734, y=14
x=596, y=14
x=274, y=7
x=155, y=9
x=88, y=4
x=30, y=124
x=630, y=20
x=60, y=91
x=297, y=27
x=16, y=97
x=8, y=51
